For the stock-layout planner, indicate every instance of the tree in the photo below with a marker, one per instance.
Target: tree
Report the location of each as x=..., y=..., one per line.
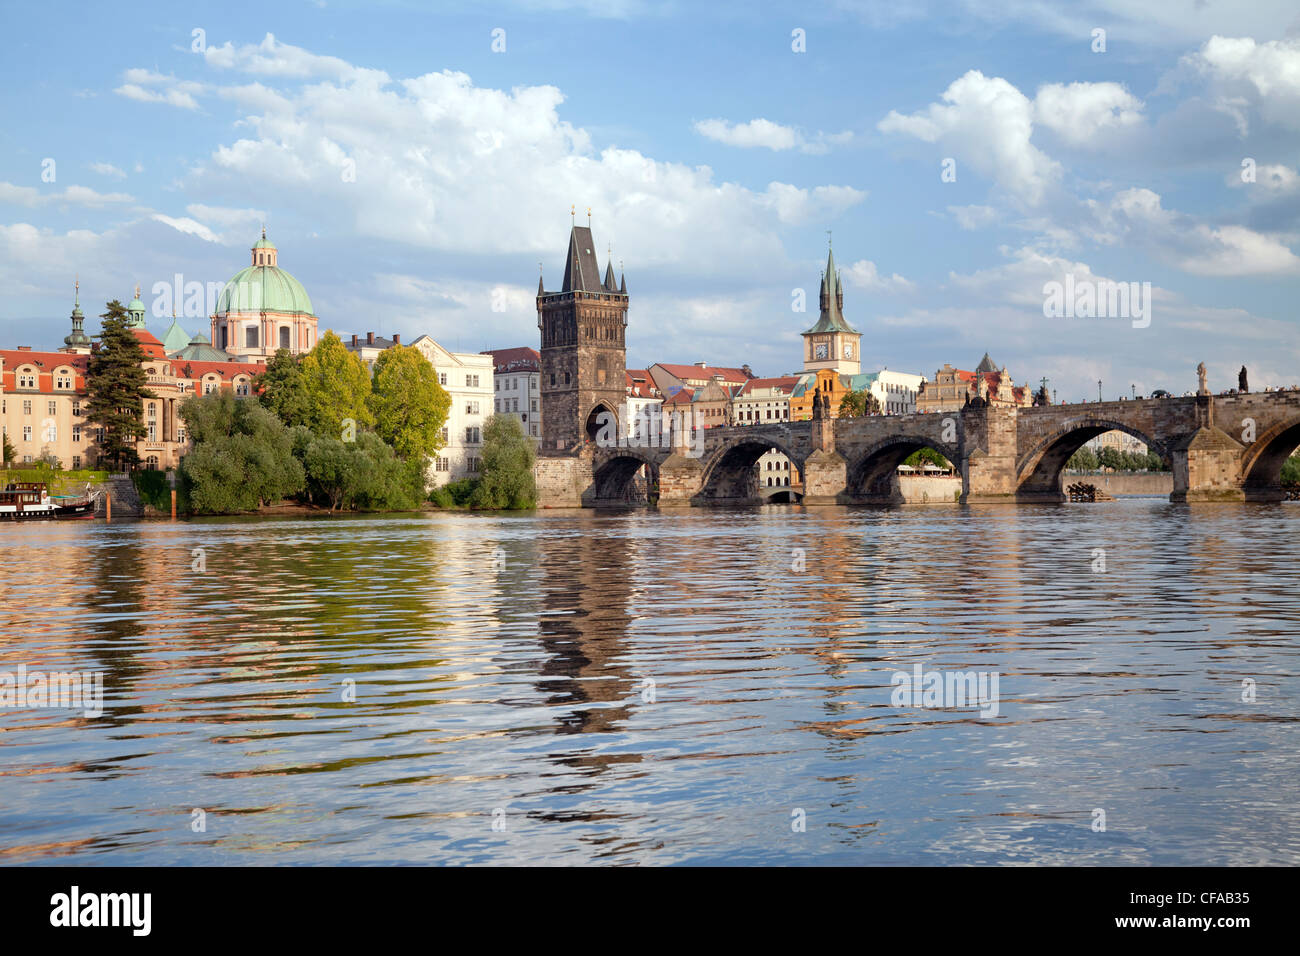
x=1082, y=460
x=242, y=456
x=337, y=385
x=409, y=405
x=1110, y=458
x=10, y=453
x=507, y=480
x=1291, y=470
x=281, y=389
x=364, y=473
x=858, y=404
x=919, y=457
x=116, y=384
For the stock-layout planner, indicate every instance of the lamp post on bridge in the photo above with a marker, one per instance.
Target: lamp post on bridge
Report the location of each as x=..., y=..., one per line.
x=1098, y=391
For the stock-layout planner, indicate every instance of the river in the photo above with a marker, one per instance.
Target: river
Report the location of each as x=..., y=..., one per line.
x=709, y=686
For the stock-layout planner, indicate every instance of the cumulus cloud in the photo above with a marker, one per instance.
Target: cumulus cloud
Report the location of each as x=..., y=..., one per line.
x=985, y=123
x=864, y=275
x=107, y=169
x=1081, y=113
x=1266, y=75
x=77, y=195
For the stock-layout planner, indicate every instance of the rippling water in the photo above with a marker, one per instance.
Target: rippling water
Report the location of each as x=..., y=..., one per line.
x=504, y=710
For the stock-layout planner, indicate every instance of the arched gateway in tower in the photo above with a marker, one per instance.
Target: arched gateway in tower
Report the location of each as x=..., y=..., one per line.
x=583, y=347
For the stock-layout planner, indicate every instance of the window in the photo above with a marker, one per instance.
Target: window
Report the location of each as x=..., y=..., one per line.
x=26, y=380
x=27, y=407
x=445, y=436
x=471, y=435
x=76, y=462
x=552, y=380
x=471, y=381
x=153, y=431
x=27, y=433
x=76, y=407
x=471, y=408
x=209, y=387
x=180, y=435
x=51, y=408
x=64, y=380
x=250, y=337
x=76, y=433
x=241, y=388
x=442, y=378
x=534, y=405
x=496, y=405
x=284, y=336
x=474, y=464
x=497, y=384
x=566, y=378
x=153, y=410
x=442, y=464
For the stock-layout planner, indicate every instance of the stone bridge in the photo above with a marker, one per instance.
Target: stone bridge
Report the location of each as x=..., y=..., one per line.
x=1219, y=448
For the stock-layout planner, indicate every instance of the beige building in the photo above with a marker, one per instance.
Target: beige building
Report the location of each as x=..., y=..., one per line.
x=43, y=397
x=952, y=388
x=468, y=379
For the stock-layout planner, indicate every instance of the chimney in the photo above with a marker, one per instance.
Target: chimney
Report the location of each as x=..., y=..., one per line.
x=354, y=340
x=370, y=338
x=701, y=364
x=24, y=348
x=397, y=338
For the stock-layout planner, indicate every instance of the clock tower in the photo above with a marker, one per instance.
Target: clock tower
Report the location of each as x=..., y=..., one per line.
x=832, y=343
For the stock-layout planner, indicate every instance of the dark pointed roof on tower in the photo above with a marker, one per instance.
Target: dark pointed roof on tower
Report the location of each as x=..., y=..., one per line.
x=609, y=277
x=986, y=364
x=581, y=271
x=832, y=296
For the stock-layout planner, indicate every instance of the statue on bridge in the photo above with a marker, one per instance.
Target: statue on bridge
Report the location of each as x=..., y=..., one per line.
x=1241, y=381
x=1201, y=388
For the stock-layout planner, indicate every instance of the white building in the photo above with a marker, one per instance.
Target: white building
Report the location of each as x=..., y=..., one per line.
x=896, y=391
x=517, y=386
x=468, y=379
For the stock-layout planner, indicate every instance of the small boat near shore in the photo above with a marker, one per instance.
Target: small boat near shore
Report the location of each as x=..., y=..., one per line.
x=31, y=501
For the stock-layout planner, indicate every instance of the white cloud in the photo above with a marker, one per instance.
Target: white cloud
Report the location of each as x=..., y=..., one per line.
x=272, y=58
x=974, y=217
x=107, y=169
x=985, y=123
x=177, y=98
x=864, y=275
x=1273, y=178
x=768, y=135
x=188, y=226
x=1264, y=74
x=77, y=195
x=1081, y=113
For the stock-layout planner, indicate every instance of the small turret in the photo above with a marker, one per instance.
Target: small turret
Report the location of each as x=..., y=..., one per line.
x=78, y=341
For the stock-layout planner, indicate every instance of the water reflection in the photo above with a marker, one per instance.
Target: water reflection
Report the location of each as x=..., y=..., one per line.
x=642, y=687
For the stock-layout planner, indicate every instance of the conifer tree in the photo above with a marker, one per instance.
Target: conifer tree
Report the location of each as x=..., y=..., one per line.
x=116, y=383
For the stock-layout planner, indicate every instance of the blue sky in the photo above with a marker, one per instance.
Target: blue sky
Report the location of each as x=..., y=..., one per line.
x=715, y=157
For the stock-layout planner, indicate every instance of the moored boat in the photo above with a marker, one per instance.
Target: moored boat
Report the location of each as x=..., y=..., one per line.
x=31, y=501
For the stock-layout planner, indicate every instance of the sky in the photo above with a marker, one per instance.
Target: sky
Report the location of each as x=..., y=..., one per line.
x=416, y=165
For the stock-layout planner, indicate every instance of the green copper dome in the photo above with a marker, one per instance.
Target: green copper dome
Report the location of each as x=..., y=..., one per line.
x=263, y=289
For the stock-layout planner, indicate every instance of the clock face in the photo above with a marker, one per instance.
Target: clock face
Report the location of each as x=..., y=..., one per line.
x=821, y=350
x=848, y=350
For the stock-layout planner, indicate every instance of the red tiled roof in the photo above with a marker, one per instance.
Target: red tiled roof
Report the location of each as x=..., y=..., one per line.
x=519, y=359
x=784, y=381
x=685, y=372
x=46, y=363
x=684, y=396
x=149, y=342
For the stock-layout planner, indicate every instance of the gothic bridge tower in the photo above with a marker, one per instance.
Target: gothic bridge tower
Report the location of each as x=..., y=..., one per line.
x=584, y=347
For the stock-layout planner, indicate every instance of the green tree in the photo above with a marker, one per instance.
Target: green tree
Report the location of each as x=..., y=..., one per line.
x=506, y=481
x=116, y=385
x=919, y=457
x=365, y=473
x=1111, y=458
x=409, y=405
x=858, y=404
x=337, y=384
x=10, y=453
x=282, y=390
x=1291, y=470
x=242, y=456
x=1082, y=460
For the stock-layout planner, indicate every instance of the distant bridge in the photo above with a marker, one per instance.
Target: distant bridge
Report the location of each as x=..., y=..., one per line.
x=1219, y=448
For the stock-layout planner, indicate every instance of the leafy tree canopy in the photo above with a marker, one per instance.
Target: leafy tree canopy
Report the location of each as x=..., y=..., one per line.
x=242, y=456
x=337, y=385
x=408, y=404
x=506, y=481
x=281, y=389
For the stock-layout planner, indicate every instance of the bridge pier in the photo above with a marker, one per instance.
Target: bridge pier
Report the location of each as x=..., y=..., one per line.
x=1207, y=467
x=988, y=471
x=681, y=478
x=825, y=474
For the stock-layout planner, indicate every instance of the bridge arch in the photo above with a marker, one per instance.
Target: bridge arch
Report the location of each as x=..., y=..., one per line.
x=614, y=474
x=730, y=472
x=1261, y=466
x=1038, y=472
x=872, y=476
x=596, y=424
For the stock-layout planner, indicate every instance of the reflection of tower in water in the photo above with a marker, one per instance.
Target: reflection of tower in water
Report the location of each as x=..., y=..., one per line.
x=583, y=623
